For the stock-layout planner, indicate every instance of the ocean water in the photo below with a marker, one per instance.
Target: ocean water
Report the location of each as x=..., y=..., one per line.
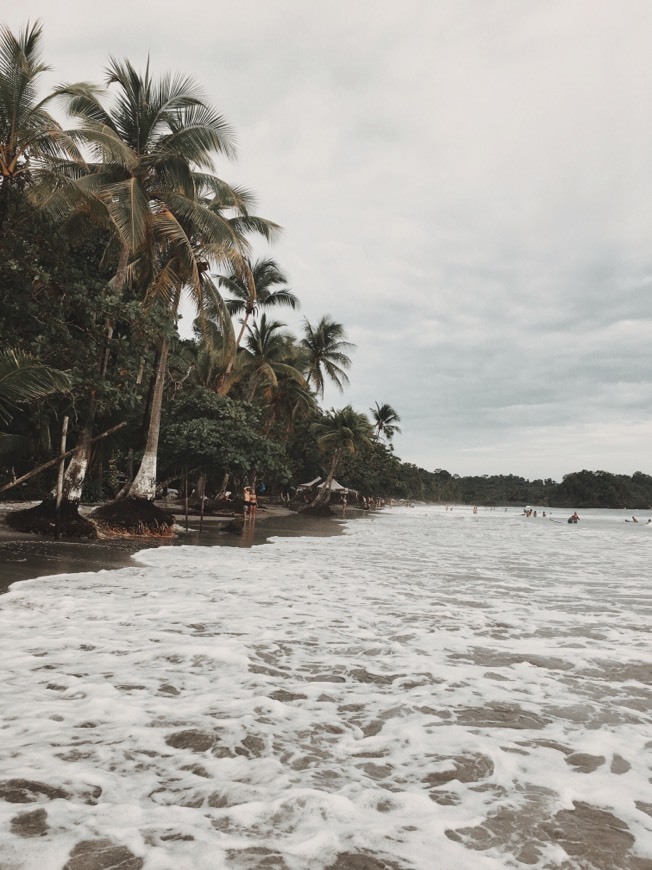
x=431, y=689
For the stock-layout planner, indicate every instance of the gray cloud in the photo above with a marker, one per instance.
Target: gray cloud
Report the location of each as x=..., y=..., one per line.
x=466, y=186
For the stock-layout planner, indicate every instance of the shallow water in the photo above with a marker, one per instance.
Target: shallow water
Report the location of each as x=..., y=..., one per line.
x=432, y=689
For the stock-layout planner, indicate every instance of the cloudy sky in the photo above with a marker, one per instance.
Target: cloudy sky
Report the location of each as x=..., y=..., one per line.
x=465, y=184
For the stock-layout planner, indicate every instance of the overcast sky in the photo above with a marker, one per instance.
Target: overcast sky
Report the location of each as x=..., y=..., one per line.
x=465, y=184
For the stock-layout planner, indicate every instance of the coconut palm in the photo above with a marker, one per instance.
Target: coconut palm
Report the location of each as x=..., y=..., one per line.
x=291, y=401
x=153, y=155
x=251, y=288
x=325, y=348
x=136, y=163
x=339, y=432
x=29, y=135
x=269, y=354
x=385, y=419
x=211, y=352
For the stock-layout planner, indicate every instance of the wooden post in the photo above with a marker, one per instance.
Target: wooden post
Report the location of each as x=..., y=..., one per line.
x=62, y=452
x=201, y=513
x=186, y=498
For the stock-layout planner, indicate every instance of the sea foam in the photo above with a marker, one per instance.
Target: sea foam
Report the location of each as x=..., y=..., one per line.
x=432, y=689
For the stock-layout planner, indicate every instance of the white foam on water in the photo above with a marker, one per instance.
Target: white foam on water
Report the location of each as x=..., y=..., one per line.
x=432, y=688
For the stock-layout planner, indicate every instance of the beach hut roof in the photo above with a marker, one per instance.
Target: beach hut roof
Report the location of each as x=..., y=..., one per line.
x=335, y=486
x=309, y=485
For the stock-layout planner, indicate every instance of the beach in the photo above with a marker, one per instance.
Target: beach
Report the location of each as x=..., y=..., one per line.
x=428, y=689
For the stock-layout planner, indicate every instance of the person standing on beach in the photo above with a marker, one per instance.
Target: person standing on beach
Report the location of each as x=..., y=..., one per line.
x=247, y=501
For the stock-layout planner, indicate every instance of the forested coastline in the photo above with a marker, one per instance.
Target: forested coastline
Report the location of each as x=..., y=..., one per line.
x=579, y=489
x=105, y=228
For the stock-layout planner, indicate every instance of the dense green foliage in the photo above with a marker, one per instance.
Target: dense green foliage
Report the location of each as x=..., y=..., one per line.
x=201, y=430
x=589, y=489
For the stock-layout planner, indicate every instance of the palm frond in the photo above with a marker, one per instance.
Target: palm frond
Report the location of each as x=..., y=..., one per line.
x=24, y=379
x=128, y=209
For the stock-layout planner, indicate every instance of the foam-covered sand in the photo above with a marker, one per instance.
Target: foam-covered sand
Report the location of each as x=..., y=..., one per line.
x=429, y=690
x=24, y=556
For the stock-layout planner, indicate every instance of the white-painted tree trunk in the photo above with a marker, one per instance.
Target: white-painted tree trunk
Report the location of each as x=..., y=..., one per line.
x=144, y=483
x=75, y=474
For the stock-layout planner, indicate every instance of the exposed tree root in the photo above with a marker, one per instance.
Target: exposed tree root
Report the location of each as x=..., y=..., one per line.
x=227, y=505
x=320, y=510
x=41, y=520
x=133, y=517
x=235, y=527
x=212, y=506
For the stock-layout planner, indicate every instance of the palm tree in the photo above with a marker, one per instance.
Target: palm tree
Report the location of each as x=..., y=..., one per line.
x=211, y=352
x=385, y=419
x=24, y=379
x=325, y=347
x=251, y=288
x=268, y=356
x=153, y=150
x=339, y=432
x=29, y=135
x=291, y=401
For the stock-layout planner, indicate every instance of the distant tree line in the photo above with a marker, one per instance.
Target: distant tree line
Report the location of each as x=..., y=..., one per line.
x=580, y=489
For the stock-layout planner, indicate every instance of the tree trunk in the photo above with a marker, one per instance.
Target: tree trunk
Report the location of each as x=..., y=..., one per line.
x=62, y=450
x=324, y=493
x=133, y=510
x=147, y=414
x=41, y=519
x=75, y=474
x=222, y=384
x=225, y=483
x=143, y=485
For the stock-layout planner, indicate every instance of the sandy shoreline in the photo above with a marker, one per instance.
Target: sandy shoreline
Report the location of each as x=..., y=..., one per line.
x=24, y=556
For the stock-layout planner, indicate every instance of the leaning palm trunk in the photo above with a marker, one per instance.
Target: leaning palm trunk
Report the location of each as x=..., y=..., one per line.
x=225, y=482
x=144, y=484
x=224, y=381
x=134, y=511
x=323, y=496
x=224, y=385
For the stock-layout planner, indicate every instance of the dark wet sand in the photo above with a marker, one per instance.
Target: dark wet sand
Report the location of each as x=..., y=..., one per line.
x=25, y=556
